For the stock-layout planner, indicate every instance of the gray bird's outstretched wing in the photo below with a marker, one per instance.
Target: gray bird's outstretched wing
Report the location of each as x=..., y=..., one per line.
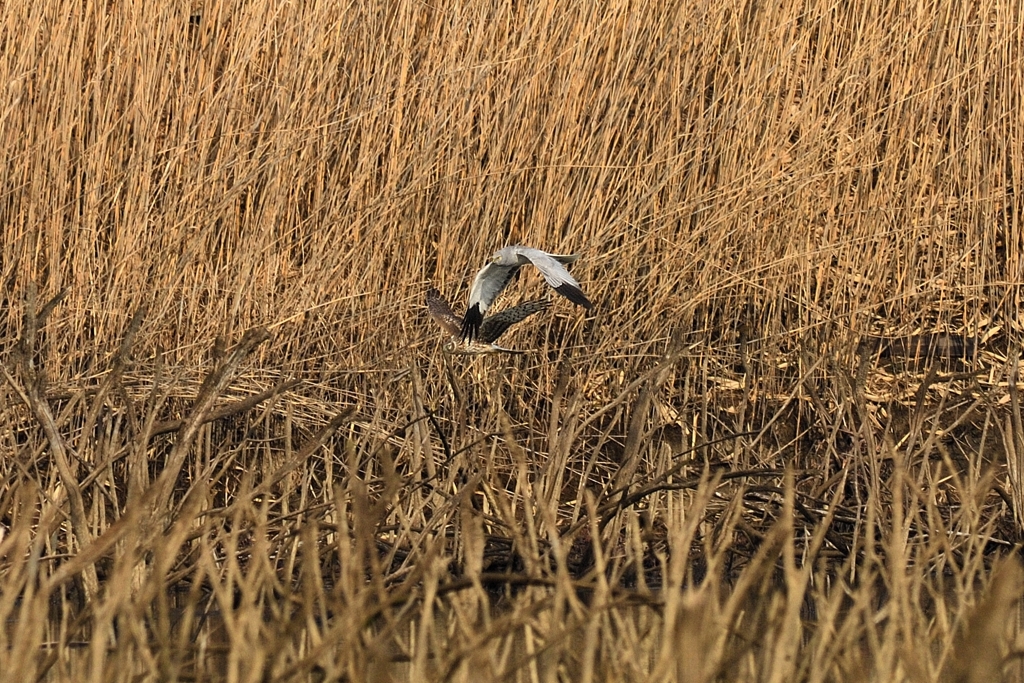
x=442, y=312
x=487, y=285
x=495, y=325
x=555, y=274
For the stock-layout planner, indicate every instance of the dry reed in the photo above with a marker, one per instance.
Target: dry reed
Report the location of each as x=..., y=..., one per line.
x=232, y=449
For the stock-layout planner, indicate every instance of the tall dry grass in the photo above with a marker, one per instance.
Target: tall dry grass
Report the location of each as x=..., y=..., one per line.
x=233, y=450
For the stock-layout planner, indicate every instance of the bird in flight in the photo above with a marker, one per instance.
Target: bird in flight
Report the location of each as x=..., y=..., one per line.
x=492, y=327
x=496, y=275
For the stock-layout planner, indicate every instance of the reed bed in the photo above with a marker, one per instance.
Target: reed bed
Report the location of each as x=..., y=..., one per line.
x=786, y=444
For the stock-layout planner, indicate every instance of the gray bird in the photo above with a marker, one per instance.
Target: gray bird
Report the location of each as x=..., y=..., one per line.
x=493, y=326
x=505, y=263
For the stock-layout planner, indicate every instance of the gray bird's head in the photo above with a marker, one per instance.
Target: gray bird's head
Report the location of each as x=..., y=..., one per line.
x=505, y=257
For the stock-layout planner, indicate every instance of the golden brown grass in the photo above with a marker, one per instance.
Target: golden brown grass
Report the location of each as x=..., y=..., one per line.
x=231, y=449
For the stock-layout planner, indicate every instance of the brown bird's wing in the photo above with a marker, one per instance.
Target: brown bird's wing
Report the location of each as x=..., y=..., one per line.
x=442, y=313
x=495, y=326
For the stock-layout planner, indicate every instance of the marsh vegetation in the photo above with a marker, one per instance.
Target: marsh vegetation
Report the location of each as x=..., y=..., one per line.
x=786, y=444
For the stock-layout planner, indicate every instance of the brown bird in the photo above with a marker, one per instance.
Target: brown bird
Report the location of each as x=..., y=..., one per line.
x=491, y=328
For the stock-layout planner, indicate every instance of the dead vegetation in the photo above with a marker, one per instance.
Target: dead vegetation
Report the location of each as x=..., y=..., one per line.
x=787, y=444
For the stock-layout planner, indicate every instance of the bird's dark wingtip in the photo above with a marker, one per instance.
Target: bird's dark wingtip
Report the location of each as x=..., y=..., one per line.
x=575, y=295
x=471, y=323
